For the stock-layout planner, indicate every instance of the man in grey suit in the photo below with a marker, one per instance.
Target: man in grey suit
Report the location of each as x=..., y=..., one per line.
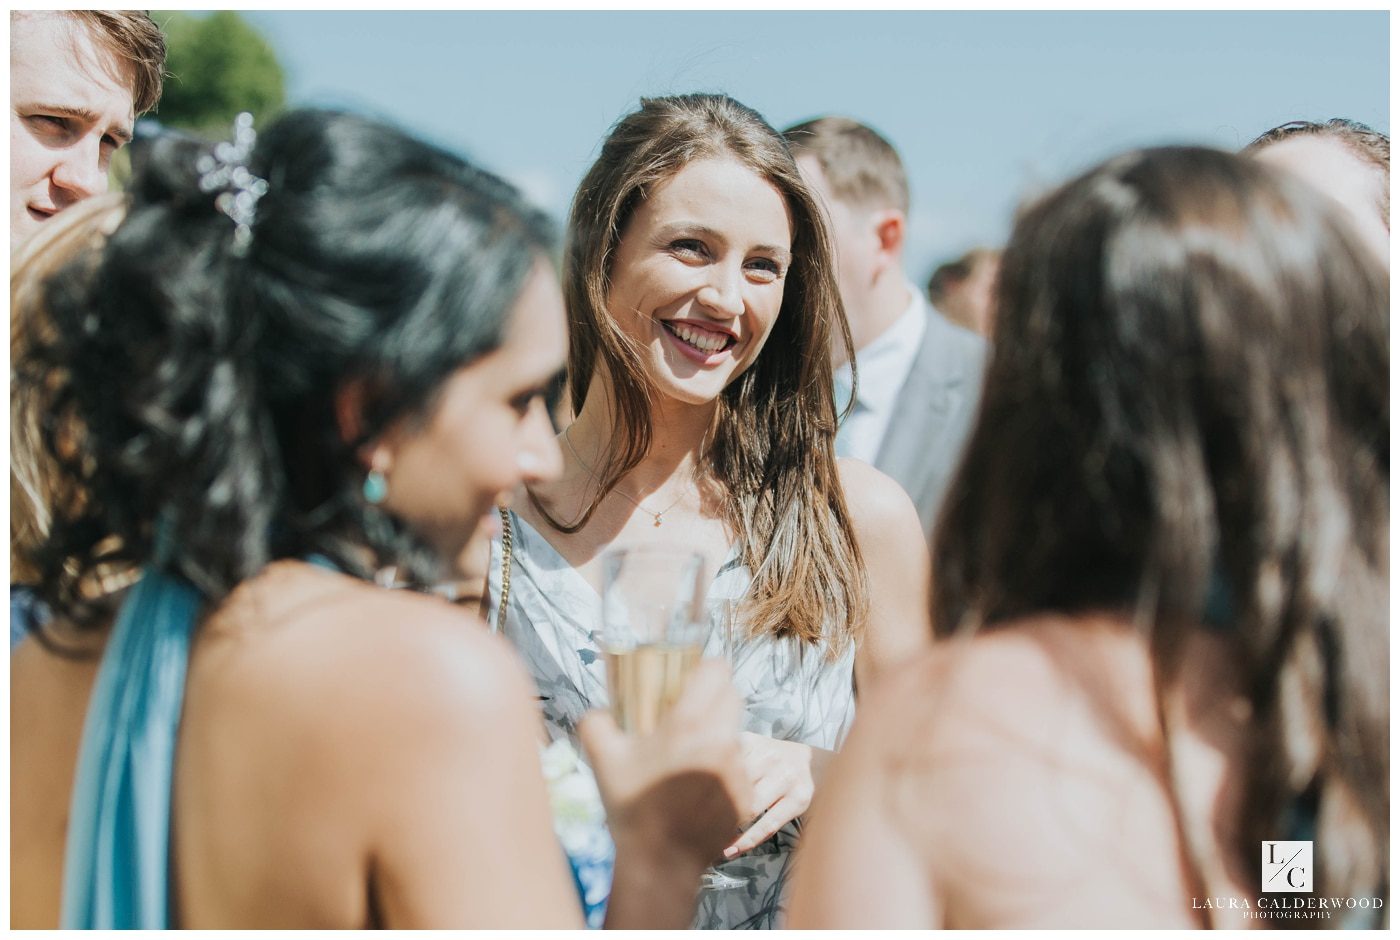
x=919, y=375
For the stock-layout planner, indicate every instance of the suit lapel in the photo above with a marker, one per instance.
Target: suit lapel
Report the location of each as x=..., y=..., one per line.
x=930, y=417
x=929, y=395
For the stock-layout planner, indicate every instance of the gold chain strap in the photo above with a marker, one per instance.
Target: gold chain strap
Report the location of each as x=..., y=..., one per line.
x=505, y=565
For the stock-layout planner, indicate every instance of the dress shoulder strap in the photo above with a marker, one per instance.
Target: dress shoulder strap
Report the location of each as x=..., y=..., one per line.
x=116, y=869
x=506, y=557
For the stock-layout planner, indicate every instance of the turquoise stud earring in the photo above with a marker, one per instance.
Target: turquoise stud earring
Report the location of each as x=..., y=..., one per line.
x=375, y=488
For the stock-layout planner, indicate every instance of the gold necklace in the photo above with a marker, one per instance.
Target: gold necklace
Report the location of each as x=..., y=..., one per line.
x=656, y=516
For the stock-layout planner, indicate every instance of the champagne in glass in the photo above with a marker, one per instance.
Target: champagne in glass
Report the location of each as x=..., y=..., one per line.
x=646, y=680
x=653, y=630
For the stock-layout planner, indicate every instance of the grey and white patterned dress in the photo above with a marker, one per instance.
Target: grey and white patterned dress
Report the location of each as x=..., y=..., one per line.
x=792, y=691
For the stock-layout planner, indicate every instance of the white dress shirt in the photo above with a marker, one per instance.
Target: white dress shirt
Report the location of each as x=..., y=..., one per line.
x=883, y=366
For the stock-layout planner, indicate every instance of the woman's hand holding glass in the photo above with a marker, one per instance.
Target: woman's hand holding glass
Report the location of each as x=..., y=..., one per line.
x=654, y=631
x=680, y=791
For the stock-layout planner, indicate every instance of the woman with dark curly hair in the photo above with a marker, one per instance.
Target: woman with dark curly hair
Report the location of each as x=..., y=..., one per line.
x=299, y=360
x=1162, y=584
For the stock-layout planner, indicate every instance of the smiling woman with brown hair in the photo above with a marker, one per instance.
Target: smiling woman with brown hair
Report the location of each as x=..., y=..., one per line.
x=702, y=308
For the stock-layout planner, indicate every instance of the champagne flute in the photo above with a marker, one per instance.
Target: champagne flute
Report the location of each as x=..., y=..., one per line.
x=653, y=630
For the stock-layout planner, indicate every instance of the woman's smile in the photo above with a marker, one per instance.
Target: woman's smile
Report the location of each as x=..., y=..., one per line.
x=704, y=344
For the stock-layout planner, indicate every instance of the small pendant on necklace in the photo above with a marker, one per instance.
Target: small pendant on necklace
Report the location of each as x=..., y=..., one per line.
x=657, y=523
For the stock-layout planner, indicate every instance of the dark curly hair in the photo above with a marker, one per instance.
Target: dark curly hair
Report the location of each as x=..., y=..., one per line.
x=203, y=379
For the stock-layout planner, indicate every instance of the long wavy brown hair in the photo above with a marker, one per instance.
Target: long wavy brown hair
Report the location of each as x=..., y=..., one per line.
x=1186, y=420
x=771, y=448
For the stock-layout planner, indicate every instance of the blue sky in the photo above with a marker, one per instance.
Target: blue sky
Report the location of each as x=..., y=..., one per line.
x=986, y=107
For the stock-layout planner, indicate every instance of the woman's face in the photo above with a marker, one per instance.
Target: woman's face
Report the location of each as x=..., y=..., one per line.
x=490, y=430
x=697, y=279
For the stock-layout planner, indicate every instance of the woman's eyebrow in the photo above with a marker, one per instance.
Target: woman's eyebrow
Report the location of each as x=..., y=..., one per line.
x=672, y=229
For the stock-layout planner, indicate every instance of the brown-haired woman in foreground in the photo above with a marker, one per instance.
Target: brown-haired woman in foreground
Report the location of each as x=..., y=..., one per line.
x=1162, y=580
x=702, y=306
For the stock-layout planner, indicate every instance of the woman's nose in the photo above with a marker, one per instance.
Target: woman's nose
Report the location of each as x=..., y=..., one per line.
x=724, y=292
x=539, y=458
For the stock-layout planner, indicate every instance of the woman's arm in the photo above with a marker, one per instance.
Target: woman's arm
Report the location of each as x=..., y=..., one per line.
x=857, y=867
x=464, y=837
x=891, y=540
x=897, y=570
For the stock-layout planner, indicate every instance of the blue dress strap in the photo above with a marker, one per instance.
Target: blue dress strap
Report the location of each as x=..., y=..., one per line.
x=322, y=561
x=116, y=871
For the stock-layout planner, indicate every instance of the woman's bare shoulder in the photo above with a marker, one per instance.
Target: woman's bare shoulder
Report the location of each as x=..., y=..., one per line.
x=896, y=561
x=306, y=645
x=1034, y=741
x=349, y=725
x=874, y=499
x=887, y=526
x=1034, y=678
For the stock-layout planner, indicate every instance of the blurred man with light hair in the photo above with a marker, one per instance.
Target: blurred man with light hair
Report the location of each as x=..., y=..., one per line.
x=78, y=80
x=1345, y=159
x=918, y=375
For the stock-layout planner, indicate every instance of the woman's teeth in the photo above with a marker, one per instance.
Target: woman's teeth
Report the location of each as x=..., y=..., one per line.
x=705, y=342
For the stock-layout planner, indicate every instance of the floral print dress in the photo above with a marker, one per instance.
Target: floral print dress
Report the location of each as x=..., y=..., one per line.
x=792, y=692
x=580, y=824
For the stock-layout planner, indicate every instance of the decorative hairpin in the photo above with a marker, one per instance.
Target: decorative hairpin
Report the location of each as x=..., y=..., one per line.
x=227, y=169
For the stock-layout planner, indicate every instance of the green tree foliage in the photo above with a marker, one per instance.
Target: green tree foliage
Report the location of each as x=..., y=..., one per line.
x=219, y=65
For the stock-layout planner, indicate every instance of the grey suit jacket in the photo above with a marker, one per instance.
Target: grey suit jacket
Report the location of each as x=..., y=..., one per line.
x=933, y=414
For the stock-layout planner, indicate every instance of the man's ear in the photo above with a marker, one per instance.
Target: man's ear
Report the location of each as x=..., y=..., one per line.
x=890, y=231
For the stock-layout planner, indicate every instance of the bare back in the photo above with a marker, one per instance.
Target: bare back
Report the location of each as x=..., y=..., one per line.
x=48, y=702
x=337, y=747
x=1019, y=780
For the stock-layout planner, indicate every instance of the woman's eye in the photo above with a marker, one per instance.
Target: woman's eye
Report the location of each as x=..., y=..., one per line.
x=521, y=403
x=688, y=246
x=765, y=268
